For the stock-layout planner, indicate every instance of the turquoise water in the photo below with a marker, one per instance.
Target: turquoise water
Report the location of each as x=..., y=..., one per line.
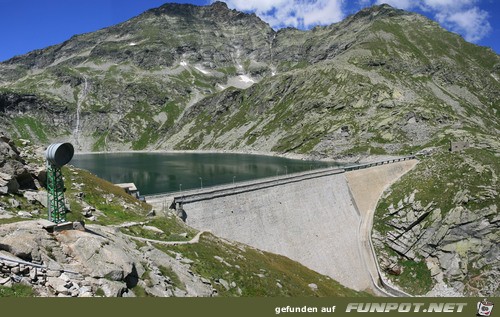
x=169, y=172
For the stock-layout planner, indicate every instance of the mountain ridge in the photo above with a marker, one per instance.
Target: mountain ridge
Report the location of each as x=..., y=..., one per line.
x=381, y=82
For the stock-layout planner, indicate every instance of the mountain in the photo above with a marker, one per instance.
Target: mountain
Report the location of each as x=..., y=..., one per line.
x=381, y=82
x=180, y=69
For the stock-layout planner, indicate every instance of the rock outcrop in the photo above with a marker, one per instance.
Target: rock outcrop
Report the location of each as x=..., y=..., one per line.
x=98, y=261
x=454, y=234
x=14, y=173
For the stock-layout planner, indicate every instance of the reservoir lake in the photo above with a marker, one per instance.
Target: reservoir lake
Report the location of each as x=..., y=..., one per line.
x=155, y=173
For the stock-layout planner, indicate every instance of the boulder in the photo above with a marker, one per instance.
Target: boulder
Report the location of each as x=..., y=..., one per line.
x=33, y=274
x=223, y=282
x=395, y=270
x=450, y=263
x=19, y=171
x=101, y=256
x=8, y=184
x=87, y=211
x=37, y=196
x=41, y=176
x=206, y=281
x=4, y=280
x=25, y=180
x=313, y=287
x=24, y=214
x=58, y=285
x=23, y=239
x=128, y=293
x=104, y=259
x=79, y=225
x=113, y=288
x=194, y=284
x=153, y=229
x=14, y=203
x=8, y=149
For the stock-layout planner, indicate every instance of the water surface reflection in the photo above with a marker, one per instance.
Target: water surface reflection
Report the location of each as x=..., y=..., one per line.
x=168, y=172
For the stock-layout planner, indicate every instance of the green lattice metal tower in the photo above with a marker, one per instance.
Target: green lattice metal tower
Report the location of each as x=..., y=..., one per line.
x=57, y=155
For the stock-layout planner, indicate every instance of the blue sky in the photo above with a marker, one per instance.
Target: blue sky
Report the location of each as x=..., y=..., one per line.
x=26, y=25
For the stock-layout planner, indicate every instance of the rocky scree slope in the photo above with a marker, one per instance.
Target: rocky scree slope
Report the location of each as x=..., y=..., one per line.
x=125, y=249
x=383, y=81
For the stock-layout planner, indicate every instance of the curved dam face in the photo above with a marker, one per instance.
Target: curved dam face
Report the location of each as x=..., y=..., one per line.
x=314, y=221
x=307, y=221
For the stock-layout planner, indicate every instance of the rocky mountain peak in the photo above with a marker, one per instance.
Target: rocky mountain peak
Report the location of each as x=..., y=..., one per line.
x=217, y=11
x=383, y=9
x=377, y=12
x=218, y=5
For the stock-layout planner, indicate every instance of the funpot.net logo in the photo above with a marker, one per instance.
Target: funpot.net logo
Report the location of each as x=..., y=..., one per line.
x=484, y=308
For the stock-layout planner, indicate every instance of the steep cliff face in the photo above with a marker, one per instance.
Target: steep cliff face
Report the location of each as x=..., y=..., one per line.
x=383, y=81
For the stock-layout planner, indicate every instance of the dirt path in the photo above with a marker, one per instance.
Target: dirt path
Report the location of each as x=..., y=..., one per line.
x=195, y=240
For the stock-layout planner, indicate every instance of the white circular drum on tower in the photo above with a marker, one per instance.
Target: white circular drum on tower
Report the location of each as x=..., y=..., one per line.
x=59, y=154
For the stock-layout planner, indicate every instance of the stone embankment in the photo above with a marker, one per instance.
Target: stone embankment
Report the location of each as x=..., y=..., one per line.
x=16, y=271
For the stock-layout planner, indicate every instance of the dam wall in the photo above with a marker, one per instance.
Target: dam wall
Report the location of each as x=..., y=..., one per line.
x=322, y=219
x=313, y=221
x=366, y=187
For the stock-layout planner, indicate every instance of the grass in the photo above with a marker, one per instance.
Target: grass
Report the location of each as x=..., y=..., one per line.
x=445, y=173
x=17, y=290
x=140, y=291
x=24, y=205
x=254, y=272
x=195, y=77
x=100, y=292
x=289, y=65
x=403, y=39
x=302, y=143
x=98, y=193
x=173, y=111
x=361, y=148
x=229, y=70
x=147, y=137
x=5, y=221
x=140, y=118
x=415, y=277
x=100, y=143
x=30, y=128
x=176, y=281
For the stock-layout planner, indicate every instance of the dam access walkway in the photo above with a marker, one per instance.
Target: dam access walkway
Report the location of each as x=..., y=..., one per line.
x=320, y=218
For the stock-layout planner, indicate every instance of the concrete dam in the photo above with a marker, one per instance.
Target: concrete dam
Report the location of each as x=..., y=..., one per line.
x=321, y=219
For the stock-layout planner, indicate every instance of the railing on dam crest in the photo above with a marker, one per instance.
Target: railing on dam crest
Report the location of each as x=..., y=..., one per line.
x=180, y=198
